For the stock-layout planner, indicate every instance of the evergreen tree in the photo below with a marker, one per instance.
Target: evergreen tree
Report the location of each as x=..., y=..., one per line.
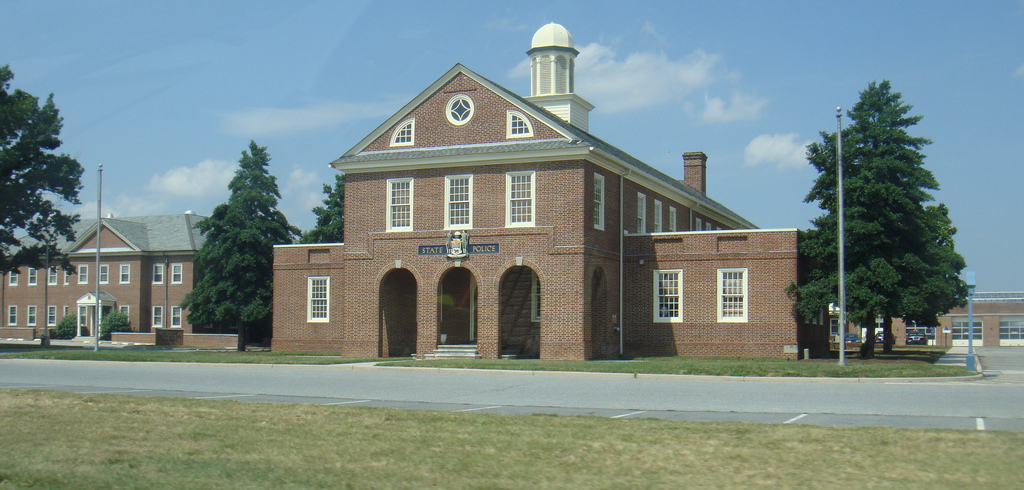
x=330, y=218
x=900, y=258
x=236, y=260
x=30, y=174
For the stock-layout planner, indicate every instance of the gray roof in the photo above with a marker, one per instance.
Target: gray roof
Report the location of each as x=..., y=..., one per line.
x=577, y=138
x=159, y=233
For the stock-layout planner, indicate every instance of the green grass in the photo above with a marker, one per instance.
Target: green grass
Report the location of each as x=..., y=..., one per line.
x=904, y=362
x=69, y=440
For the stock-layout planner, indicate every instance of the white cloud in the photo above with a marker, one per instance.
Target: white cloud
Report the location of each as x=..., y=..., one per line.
x=783, y=150
x=1020, y=72
x=205, y=179
x=304, y=189
x=642, y=79
x=267, y=121
x=741, y=107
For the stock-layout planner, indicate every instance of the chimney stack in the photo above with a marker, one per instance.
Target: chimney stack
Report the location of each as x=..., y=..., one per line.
x=695, y=171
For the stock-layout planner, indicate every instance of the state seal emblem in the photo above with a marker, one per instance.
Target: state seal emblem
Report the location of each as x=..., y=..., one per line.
x=458, y=244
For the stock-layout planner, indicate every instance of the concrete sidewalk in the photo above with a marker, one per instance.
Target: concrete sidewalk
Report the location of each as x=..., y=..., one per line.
x=957, y=356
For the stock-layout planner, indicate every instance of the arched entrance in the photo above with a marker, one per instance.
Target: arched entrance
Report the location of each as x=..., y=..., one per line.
x=456, y=309
x=602, y=344
x=397, y=314
x=519, y=319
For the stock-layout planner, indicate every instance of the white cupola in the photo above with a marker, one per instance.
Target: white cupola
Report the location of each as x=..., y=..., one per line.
x=552, y=76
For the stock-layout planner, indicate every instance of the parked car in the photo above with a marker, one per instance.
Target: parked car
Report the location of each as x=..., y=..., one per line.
x=917, y=340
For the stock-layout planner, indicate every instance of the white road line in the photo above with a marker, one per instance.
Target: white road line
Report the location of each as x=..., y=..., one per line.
x=479, y=408
x=794, y=419
x=980, y=423
x=218, y=396
x=347, y=403
x=628, y=414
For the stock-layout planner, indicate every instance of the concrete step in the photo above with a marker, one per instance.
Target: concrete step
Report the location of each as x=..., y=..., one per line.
x=454, y=352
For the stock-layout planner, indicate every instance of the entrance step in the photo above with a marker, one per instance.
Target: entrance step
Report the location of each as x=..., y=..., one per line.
x=511, y=352
x=455, y=352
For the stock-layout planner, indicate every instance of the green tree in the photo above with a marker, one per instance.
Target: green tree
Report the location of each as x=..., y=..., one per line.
x=330, y=218
x=31, y=174
x=900, y=256
x=115, y=321
x=236, y=259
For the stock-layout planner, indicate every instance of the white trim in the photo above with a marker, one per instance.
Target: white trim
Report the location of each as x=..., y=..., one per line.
x=31, y=315
x=83, y=273
x=641, y=212
x=33, y=276
x=392, y=206
x=411, y=124
x=743, y=295
x=12, y=315
x=599, y=200
x=532, y=199
x=51, y=276
x=50, y=323
x=157, y=316
x=468, y=105
x=125, y=270
x=161, y=274
x=104, y=275
x=657, y=216
x=673, y=217
x=698, y=224
x=311, y=296
x=448, y=225
x=657, y=295
x=12, y=278
x=314, y=245
x=126, y=309
x=175, y=313
x=181, y=273
x=510, y=115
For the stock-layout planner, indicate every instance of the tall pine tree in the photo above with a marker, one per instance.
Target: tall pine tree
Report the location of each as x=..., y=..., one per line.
x=900, y=256
x=330, y=218
x=236, y=261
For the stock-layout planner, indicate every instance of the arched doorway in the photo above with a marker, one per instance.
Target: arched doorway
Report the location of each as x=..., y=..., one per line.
x=397, y=314
x=456, y=323
x=520, y=313
x=602, y=344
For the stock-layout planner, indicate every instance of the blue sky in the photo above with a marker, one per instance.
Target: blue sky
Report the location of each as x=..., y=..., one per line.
x=166, y=95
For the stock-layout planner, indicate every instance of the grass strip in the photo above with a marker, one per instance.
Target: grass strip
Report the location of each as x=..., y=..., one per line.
x=69, y=440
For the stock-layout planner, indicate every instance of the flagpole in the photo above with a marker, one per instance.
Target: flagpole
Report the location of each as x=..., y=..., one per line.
x=99, y=228
x=842, y=244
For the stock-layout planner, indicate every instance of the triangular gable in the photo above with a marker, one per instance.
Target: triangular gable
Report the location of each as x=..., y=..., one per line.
x=87, y=239
x=488, y=125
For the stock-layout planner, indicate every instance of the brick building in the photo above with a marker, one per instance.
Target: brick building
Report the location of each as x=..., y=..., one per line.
x=479, y=218
x=145, y=271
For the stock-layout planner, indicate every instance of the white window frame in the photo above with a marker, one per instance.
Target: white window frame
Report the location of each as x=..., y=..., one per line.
x=673, y=215
x=12, y=279
x=126, y=274
x=743, y=294
x=67, y=280
x=51, y=315
x=126, y=309
x=30, y=315
x=599, y=201
x=157, y=319
x=51, y=276
x=175, y=317
x=391, y=206
x=400, y=133
x=158, y=273
x=177, y=273
x=318, y=302
x=699, y=224
x=708, y=226
x=657, y=216
x=104, y=276
x=532, y=199
x=510, y=117
x=448, y=180
x=468, y=104
x=641, y=212
x=83, y=273
x=33, y=276
x=659, y=293
x=12, y=315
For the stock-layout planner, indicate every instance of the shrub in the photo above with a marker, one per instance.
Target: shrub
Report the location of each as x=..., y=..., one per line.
x=65, y=329
x=114, y=321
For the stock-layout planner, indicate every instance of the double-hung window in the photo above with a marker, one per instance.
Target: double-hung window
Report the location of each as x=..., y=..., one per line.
x=12, y=280
x=51, y=315
x=32, y=276
x=519, y=193
x=158, y=316
x=668, y=295
x=672, y=218
x=126, y=273
x=599, y=201
x=732, y=295
x=458, y=202
x=51, y=276
x=400, y=201
x=31, y=313
x=158, y=273
x=641, y=213
x=104, y=273
x=175, y=317
x=318, y=292
x=12, y=315
x=83, y=274
x=657, y=216
x=176, y=273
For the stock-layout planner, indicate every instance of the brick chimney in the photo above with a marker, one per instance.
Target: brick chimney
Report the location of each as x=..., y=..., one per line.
x=695, y=165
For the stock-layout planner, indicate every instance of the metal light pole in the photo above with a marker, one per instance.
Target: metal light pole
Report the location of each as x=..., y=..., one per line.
x=842, y=244
x=971, y=283
x=99, y=228
x=45, y=341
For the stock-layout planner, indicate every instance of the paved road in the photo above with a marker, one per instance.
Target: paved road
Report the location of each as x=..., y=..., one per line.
x=988, y=404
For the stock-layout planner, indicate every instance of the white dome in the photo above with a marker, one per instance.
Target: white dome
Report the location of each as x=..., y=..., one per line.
x=552, y=35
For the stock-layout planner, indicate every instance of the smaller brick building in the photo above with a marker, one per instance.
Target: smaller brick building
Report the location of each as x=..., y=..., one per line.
x=146, y=269
x=479, y=218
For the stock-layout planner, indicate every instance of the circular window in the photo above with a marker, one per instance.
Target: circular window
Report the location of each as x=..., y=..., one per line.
x=459, y=109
